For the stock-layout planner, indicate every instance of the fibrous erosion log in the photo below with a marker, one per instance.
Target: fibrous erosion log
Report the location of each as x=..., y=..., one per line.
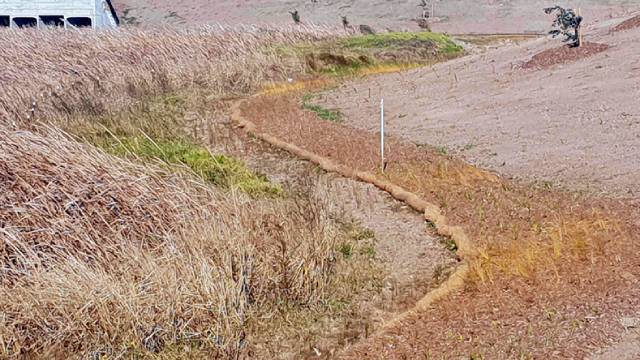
x=567, y=23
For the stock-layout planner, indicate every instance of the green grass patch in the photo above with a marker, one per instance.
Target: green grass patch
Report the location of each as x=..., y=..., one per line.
x=156, y=131
x=386, y=52
x=220, y=170
x=403, y=39
x=325, y=114
x=346, y=250
x=449, y=244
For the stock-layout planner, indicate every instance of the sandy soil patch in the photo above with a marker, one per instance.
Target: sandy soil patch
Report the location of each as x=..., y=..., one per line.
x=453, y=16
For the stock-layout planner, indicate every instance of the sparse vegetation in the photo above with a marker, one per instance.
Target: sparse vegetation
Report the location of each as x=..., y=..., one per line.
x=323, y=113
x=566, y=23
x=538, y=241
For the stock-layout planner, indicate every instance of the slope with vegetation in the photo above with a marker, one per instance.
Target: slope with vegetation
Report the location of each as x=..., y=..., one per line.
x=123, y=235
x=554, y=272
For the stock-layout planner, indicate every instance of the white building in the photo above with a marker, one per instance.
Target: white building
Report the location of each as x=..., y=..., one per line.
x=62, y=13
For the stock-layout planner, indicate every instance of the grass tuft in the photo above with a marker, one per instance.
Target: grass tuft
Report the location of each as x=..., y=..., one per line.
x=403, y=39
x=325, y=114
x=220, y=170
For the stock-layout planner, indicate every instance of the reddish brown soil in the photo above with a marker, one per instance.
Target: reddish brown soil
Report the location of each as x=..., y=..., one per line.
x=410, y=270
x=632, y=23
x=563, y=55
x=557, y=270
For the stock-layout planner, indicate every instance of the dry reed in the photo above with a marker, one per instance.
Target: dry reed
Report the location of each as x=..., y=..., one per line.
x=51, y=74
x=101, y=256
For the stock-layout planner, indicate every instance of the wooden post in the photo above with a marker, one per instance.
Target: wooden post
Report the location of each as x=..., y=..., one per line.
x=579, y=28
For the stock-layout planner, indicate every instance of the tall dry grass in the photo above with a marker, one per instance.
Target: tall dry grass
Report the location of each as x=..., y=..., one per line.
x=101, y=256
x=50, y=74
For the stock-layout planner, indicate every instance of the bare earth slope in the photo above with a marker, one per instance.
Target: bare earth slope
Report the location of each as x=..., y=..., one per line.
x=454, y=16
x=577, y=124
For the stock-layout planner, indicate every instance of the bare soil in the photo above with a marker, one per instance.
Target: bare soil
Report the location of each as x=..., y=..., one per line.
x=629, y=24
x=571, y=125
x=548, y=296
x=563, y=55
x=452, y=16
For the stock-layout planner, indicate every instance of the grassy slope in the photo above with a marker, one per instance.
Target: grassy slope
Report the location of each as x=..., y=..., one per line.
x=369, y=55
x=203, y=262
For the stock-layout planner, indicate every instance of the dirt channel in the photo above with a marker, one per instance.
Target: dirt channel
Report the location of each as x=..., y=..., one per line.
x=415, y=259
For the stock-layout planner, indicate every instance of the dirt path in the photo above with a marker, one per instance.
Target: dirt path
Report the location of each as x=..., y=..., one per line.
x=414, y=257
x=575, y=125
x=412, y=253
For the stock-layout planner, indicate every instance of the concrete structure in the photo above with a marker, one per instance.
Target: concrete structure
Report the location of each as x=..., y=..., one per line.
x=63, y=13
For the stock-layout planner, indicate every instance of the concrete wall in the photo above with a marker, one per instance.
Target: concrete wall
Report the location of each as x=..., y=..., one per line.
x=97, y=11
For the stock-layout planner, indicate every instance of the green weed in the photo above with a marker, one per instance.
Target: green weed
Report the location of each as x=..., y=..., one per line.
x=325, y=114
x=346, y=250
x=449, y=244
x=220, y=170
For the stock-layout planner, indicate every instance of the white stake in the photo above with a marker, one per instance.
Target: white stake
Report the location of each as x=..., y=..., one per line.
x=382, y=135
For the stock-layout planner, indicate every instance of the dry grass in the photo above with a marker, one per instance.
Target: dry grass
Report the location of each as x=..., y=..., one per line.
x=534, y=240
x=48, y=75
x=106, y=256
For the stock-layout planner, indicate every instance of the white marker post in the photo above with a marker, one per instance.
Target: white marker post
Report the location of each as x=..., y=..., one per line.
x=382, y=135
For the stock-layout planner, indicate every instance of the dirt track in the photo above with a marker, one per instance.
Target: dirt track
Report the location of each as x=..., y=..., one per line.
x=576, y=125
x=454, y=16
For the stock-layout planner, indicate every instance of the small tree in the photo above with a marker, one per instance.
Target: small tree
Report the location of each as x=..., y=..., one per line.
x=295, y=16
x=345, y=23
x=567, y=23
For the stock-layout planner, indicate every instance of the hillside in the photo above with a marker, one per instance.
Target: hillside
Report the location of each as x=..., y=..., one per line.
x=572, y=124
x=453, y=16
x=219, y=192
